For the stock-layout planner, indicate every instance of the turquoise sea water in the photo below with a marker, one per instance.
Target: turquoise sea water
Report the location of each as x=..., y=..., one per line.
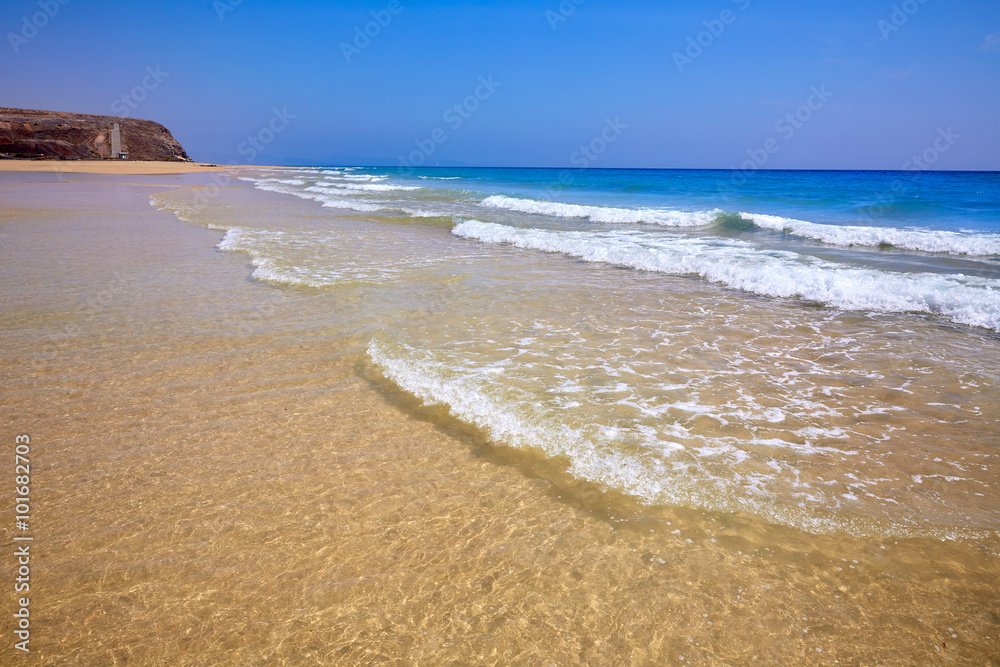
x=816, y=349
x=937, y=200
x=876, y=241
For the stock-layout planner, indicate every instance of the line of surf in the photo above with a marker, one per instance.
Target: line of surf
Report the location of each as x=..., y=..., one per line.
x=777, y=273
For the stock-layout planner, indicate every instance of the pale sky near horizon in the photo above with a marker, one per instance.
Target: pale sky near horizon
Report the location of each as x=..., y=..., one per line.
x=847, y=85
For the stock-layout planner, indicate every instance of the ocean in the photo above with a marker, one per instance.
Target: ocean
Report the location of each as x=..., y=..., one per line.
x=817, y=349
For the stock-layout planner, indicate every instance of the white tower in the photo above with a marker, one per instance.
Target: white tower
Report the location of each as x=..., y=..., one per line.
x=116, y=143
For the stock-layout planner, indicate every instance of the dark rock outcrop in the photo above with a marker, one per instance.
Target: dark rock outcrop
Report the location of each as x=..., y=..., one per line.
x=25, y=133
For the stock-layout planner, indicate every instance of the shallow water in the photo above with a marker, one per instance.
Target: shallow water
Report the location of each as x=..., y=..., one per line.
x=342, y=440
x=656, y=384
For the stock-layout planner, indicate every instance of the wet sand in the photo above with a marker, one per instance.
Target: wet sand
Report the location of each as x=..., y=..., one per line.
x=221, y=477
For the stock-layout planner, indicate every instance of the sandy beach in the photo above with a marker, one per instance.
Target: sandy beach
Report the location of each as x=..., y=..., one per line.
x=581, y=334
x=120, y=167
x=223, y=477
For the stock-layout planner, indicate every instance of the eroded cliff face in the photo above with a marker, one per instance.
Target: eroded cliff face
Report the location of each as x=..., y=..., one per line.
x=25, y=133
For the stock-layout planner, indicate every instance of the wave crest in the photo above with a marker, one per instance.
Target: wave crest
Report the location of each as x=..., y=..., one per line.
x=925, y=240
x=777, y=273
x=610, y=214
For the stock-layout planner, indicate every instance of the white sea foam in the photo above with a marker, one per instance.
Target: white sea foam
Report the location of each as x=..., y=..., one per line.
x=266, y=269
x=471, y=397
x=715, y=474
x=963, y=299
x=288, y=172
x=355, y=177
x=268, y=249
x=926, y=240
x=327, y=194
x=420, y=213
x=323, y=196
x=284, y=181
x=610, y=214
x=351, y=205
x=368, y=187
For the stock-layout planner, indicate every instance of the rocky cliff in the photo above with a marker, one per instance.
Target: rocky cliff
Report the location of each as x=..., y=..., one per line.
x=25, y=133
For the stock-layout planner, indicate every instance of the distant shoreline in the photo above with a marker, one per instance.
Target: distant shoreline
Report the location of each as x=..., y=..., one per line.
x=120, y=167
x=150, y=167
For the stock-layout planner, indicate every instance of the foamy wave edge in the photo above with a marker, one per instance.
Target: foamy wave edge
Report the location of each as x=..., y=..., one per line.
x=609, y=214
x=521, y=424
x=963, y=299
x=267, y=269
x=366, y=187
x=323, y=196
x=940, y=241
x=936, y=241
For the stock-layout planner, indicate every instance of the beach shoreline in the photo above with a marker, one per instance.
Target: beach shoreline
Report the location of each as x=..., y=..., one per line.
x=120, y=167
x=229, y=477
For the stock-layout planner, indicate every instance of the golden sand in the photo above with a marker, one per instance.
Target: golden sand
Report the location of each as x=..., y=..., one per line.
x=121, y=167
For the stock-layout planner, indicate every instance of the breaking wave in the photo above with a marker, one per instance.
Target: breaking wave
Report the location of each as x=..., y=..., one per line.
x=925, y=240
x=777, y=273
x=602, y=213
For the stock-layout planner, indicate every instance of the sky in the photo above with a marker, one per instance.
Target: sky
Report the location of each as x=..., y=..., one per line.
x=853, y=84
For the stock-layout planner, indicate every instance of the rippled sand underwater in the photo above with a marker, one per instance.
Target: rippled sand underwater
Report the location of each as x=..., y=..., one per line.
x=360, y=441
x=662, y=387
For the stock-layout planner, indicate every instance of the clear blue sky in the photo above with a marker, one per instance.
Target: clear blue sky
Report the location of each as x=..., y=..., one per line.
x=222, y=78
